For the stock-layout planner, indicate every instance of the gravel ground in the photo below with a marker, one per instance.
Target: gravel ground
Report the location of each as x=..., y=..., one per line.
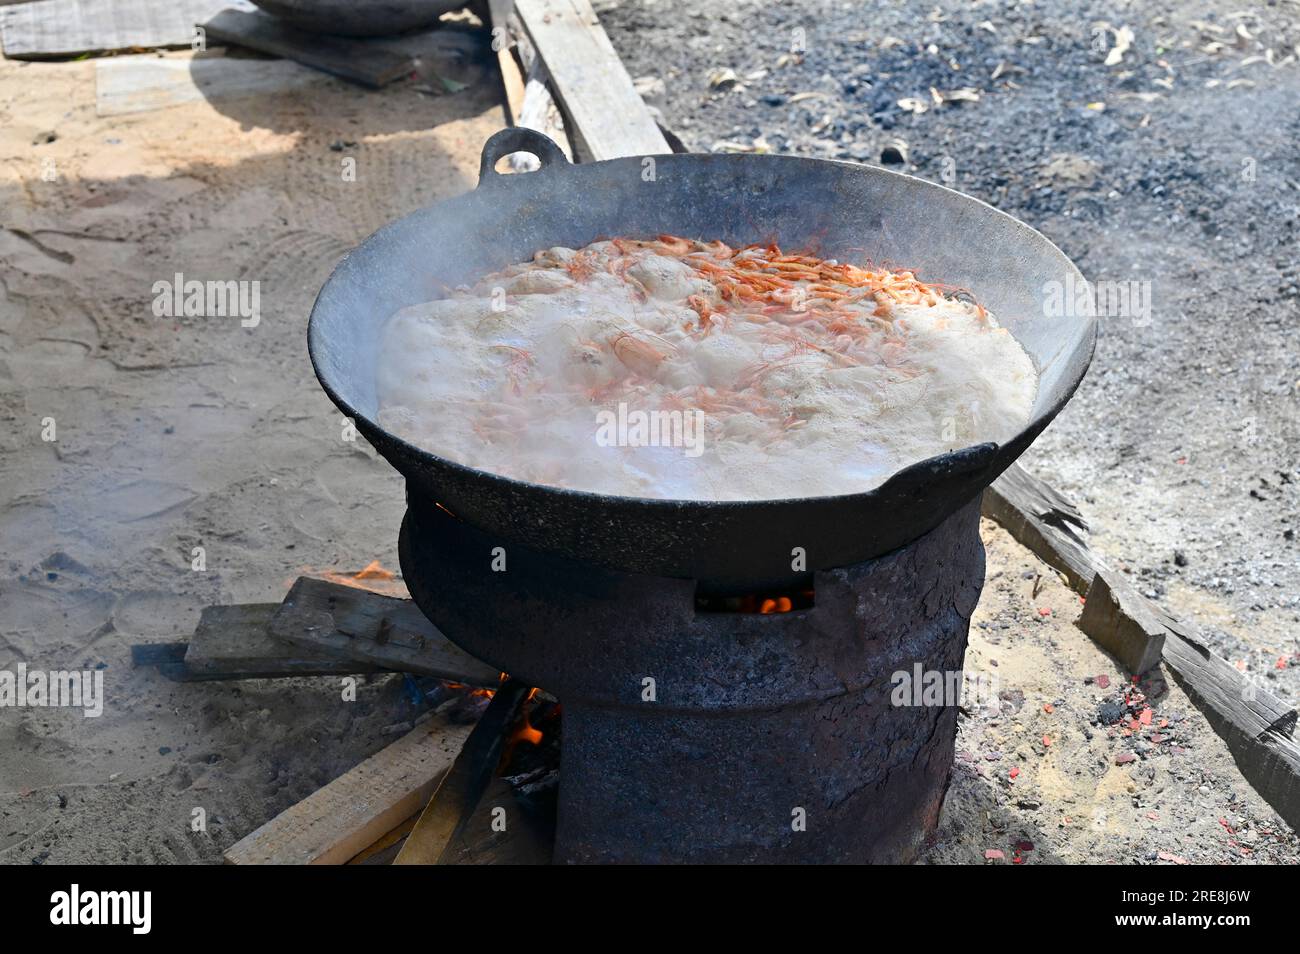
x=1061, y=758
x=1174, y=167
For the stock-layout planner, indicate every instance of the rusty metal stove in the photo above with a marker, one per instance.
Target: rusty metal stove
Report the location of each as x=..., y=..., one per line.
x=754, y=717
x=694, y=736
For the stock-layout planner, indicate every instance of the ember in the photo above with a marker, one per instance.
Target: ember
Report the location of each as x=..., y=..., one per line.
x=762, y=604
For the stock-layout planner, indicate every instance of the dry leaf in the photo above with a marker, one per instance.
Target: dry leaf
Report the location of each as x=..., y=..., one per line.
x=1123, y=40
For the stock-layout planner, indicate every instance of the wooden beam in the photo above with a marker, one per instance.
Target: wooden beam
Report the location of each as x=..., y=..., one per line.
x=520, y=840
x=458, y=796
x=231, y=642
x=528, y=101
x=1258, y=728
x=1045, y=522
x=602, y=110
x=57, y=28
x=336, y=823
x=350, y=623
x=512, y=78
x=1121, y=622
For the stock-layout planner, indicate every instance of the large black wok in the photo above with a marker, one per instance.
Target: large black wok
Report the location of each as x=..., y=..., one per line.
x=835, y=209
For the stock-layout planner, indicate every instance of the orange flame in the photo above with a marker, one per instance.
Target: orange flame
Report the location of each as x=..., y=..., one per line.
x=374, y=570
x=374, y=577
x=478, y=692
x=524, y=732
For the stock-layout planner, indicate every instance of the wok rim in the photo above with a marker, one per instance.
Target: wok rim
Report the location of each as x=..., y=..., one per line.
x=986, y=453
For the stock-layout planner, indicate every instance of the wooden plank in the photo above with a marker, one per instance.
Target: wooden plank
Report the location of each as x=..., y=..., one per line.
x=1121, y=622
x=333, y=824
x=528, y=101
x=55, y=28
x=459, y=793
x=512, y=82
x=1258, y=728
x=230, y=644
x=233, y=641
x=361, y=61
x=522, y=841
x=512, y=78
x=1045, y=522
x=351, y=623
x=135, y=84
x=602, y=110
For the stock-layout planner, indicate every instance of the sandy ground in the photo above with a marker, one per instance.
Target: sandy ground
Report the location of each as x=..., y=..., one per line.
x=1058, y=770
x=173, y=434
x=177, y=434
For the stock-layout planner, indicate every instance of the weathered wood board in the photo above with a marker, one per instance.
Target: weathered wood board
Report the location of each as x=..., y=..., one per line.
x=363, y=626
x=529, y=101
x=56, y=28
x=1121, y=622
x=232, y=641
x=458, y=796
x=1258, y=728
x=335, y=823
x=603, y=112
x=517, y=840
x=1045, y=522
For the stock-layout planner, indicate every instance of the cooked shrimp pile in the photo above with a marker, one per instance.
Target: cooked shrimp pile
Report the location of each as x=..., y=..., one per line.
x=688, y=370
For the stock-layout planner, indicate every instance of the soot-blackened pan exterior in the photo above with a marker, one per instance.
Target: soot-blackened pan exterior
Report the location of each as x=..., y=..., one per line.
x=834, y=209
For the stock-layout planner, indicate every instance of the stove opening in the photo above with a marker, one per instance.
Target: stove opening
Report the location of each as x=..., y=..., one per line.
x=764, y=602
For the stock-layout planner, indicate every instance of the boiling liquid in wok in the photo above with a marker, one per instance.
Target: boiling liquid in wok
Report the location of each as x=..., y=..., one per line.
x=692, y=371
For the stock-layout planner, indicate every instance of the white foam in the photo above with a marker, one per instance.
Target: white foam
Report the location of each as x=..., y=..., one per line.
x=517, y=392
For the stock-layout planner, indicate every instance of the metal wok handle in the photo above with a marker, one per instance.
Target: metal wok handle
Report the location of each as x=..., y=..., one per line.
x=517, y=139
